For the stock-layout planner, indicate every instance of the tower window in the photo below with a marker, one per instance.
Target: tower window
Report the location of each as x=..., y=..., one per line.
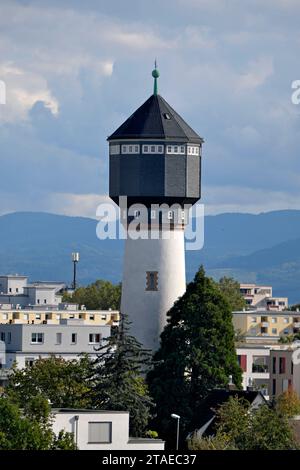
x=114, y=149
x=130, y=148
x=153, y=149
x=176, y=149
x=152, y=280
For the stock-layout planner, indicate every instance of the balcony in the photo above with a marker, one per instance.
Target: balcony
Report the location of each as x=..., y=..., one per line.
x=260, y=368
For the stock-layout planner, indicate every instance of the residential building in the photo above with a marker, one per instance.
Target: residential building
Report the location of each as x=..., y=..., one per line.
x=272, y=369
x=69, y=339
x=265, y=326
x=101, y=430
x=261, y=297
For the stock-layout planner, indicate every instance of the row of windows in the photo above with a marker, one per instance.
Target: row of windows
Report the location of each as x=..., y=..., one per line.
x=274, y=320
x=38, y=338
x=58, y=316
x=171, y=149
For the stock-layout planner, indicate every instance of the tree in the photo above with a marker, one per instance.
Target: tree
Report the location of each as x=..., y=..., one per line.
x=101, y=295
x=64, y=383
x=196, y=354
x=25, y=430
x=240, y=428
x=117, y=380
x=231, y=289
x=288, y=404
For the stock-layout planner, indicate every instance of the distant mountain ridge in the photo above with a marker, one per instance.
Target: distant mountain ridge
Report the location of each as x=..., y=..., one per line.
x=258, y=248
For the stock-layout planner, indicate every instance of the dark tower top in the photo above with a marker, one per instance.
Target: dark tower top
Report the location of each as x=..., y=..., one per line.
x=155, y=156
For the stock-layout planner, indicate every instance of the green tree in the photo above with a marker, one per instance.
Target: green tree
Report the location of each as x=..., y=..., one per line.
x=117, y=381
x=231, y=290
x=239, y=428
x=25, y=430
x=101, y=295
x=64, y=383
x=196, y=354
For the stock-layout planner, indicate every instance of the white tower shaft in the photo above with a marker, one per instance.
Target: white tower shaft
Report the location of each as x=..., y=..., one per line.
x=153, y=279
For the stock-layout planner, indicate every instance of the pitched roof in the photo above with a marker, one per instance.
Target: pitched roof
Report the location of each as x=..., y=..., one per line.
x=156, y=119
x=207, y=409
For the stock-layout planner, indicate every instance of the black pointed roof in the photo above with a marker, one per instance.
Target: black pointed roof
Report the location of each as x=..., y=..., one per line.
x=156, y=119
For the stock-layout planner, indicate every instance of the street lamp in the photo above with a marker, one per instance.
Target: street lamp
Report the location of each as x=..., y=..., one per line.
x=177, y=417
x=75, y=259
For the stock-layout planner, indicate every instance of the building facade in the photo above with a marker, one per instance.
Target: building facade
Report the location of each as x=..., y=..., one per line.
x=271, y=369
x=101, y=430
x=155, y=166
x=265, y=326
x=261, y=297
x=25, y=343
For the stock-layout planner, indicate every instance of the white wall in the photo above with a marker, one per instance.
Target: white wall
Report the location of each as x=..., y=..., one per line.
x=120, y=430
x=147, y=309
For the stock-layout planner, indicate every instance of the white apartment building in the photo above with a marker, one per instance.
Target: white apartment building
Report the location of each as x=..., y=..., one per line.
x=24, y=343
x=271, y=369
x=261, y=297
x=101, y=430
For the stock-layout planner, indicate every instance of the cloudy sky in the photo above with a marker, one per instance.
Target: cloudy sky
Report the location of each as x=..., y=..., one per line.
x=74, y=70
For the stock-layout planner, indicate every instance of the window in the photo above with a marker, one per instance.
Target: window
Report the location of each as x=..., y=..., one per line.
x=176, y=149
x=167, y=116
x=285, y=385
x=38, y=301
x=9, y=337
x=5, y=316
x=259, y=364
x=45, y=301
x=114, y=149
x=274, y=331
x=2, y=336
x=94, y=338
x=38, y=316
x=282, y=362
x=71, y=316
x=152, y=280
x=274, y=365
x=29, y=361
x=9, y=289
x=285, y=320
x=58, y=338
x=99, y=432
x=130, y=149
x=74, y=338
x=92, y=317
x=37, y=338
x=193, y=150
x=286, y=331
x=153, y=149
x=253, y=319
x=17, y=289
x=103, y=317
x=26, y=317
x=170, y=215
x=274, y=320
